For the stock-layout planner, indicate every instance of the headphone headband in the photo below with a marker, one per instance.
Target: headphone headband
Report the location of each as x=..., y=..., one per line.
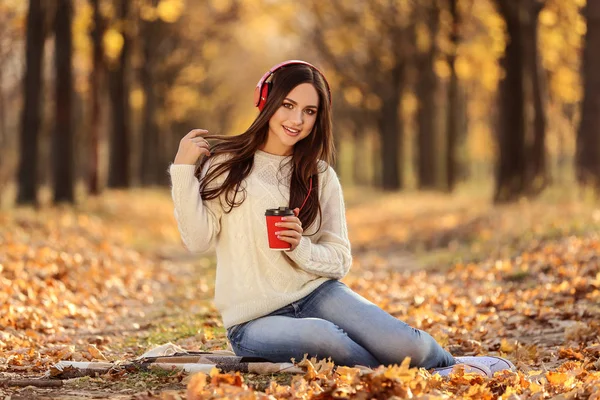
x=262, y=88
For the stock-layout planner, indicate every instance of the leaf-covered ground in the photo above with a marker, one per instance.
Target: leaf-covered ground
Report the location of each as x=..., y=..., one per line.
x=109, y=280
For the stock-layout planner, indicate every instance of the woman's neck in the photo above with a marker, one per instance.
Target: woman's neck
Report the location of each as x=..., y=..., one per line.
x=271, y=156
x=277, y=150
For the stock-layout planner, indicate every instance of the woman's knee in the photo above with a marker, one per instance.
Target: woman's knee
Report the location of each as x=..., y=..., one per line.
x=325, y=340
x=409, y=342
x=333, y=342
x=326, y=337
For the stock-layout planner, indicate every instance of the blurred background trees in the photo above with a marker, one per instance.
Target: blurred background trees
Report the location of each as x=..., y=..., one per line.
x=588, y=134
x=428, y=95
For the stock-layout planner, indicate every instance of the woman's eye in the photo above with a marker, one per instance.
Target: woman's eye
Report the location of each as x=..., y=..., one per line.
x=288, y=105
x=310, y=111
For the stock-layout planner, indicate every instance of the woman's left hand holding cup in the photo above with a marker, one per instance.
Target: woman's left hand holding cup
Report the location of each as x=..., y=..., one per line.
x=293, y=233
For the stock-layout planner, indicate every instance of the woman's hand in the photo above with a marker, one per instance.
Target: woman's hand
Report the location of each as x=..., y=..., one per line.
x=294, y=234
x=191, y=147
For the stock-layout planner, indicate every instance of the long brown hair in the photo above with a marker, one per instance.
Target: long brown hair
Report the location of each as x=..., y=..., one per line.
x=240, y=149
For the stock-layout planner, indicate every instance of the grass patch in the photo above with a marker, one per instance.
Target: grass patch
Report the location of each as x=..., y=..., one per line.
x=444, y=258
x=518, y=276
x=176, y=328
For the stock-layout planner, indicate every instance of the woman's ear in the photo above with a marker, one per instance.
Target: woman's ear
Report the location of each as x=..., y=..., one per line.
x=296, y=211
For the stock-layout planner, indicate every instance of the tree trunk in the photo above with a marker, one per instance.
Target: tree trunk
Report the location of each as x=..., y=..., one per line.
x=120, y=143
x=522, y=129
x=2, y=115
x=149, y=134
x=164, y=156
x=389, y=148
x=427, y=113
x=96, y=80
x=391, y=131
x=452, y=118
x=62, y=151
x=359, y=176
x=511, y=125
x=31, y=117
x=588, y=135
x=537, y=173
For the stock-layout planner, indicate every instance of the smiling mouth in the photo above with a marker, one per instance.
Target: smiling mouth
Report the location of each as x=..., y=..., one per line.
x=290, y=131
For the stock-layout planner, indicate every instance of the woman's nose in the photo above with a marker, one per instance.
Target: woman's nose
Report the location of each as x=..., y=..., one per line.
x=297, y=116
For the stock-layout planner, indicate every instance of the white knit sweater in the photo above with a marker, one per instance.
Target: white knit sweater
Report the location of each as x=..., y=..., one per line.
x=253, y=280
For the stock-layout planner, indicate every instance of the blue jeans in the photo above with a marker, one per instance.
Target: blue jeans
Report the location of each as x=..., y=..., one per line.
x=333, y=321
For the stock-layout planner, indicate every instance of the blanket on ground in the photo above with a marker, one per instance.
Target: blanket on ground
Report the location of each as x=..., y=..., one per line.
x=172, y=357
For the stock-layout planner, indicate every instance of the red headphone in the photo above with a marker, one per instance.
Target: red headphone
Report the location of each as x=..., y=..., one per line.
x=264, y=84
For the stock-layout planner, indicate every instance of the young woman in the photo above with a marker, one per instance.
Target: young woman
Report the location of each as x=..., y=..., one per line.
x=280, y=305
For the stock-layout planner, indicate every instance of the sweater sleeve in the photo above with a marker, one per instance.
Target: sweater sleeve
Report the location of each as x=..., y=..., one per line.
x=198, y=221
x=329, y=256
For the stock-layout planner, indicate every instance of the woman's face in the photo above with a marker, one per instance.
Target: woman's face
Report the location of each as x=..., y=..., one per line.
x=293, y=121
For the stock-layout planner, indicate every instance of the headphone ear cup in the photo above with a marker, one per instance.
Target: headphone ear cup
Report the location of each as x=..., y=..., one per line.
x=256, y=96
x=264, y=93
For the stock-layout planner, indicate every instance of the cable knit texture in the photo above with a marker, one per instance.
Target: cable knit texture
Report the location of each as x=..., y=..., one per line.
x=253, y=280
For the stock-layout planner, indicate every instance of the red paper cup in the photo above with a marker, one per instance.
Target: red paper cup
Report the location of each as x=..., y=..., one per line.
x=274, y=215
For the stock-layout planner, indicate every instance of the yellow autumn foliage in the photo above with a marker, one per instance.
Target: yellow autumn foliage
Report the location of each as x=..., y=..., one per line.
x=353, y=95
x=113, y=43
x=170, y=10
x=137, y=98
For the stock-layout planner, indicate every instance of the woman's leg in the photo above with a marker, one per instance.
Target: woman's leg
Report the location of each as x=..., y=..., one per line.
x=280, y=338
x=384, y=336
